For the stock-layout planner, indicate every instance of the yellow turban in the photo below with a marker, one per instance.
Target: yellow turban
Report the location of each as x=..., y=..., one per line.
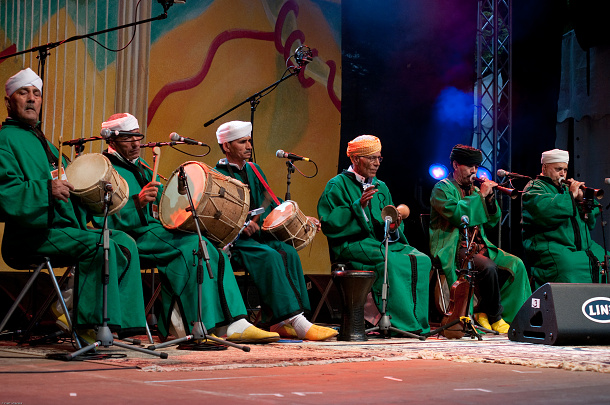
x=363, y=145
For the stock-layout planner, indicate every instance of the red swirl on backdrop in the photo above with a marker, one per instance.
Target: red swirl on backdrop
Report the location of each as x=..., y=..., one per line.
x=10, y=50
x=275, y=36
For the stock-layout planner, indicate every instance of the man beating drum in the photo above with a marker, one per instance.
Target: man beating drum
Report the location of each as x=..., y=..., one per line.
x=275, y=266
x=171, y=251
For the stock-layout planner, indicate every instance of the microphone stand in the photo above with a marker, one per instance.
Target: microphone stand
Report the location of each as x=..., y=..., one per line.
x=385, y=325
x=79, y=144
x=255, y=99
x=290, y=167
x=199, y=331
x=104, y=336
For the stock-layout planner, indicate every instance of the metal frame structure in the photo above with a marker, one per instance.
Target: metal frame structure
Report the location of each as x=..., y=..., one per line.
x=493, y=90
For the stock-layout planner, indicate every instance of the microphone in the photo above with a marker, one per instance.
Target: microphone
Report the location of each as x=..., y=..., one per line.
x=285, y=155
x=175, y=137
x=181, y=180
x=504, y=173
x=107, y=133
x=607, y=180
x=153, y=144
x=389, y=213
x=303, y=55
x=465, y=221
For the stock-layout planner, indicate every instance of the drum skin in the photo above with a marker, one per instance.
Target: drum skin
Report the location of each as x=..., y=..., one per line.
x=89, y=174
x=288, y=224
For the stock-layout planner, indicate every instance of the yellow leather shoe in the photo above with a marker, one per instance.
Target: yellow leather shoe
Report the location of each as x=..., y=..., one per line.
x=482, y=320
x=501, y=326
x=287, y=331
x=60, y=320
x=254, y=335
x=317, y=333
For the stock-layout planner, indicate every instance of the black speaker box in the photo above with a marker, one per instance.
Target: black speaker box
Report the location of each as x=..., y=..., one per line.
x=564, y=314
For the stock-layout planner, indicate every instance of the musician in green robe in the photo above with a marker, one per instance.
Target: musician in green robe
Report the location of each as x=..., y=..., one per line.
x=350, y=211
x=42, y=219
x=556, y=222
x=456, y=203
x=172, y=251
x=274, y=266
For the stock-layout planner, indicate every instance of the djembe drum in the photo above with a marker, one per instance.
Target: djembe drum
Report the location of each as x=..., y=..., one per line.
x=354, y=286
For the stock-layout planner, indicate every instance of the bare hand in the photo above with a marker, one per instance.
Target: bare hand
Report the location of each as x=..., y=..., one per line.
x=487, y=187
x=60, y=190
x=315, y=222
x=252, y=228
x=367, y=196
x=575, y=189
x=148, y=193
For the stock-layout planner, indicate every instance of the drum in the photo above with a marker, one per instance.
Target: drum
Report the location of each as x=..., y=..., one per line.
x=89, y=174
x=221, y=202
x=288, y=224
x=354, y=286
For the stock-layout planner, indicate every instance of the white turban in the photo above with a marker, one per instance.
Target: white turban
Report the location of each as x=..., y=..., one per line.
x=25, y=77
x=230, y=131
x=126, y=122
x=555, y=156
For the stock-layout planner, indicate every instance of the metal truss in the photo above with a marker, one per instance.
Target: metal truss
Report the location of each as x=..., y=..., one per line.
x=493, y=90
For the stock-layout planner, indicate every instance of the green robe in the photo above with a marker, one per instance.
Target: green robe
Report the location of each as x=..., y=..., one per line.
x=274, y=266
x=171, y=252
x=37, y=224
x=556, y=236
x=447, y=208
x=357, y=235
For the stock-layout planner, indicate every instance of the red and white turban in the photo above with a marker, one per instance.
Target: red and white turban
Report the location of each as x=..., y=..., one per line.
x=124, y=122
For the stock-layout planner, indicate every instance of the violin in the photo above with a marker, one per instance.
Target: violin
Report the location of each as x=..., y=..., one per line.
x=457, y=309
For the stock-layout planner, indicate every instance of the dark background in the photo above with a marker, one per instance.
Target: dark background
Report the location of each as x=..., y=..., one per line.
x=408, y=76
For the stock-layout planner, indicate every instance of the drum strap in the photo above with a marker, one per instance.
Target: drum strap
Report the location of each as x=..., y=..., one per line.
x=264, y=183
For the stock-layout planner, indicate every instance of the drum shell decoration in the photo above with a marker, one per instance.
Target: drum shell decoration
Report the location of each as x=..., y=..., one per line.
x=222, y=203
x=89, y=174
x=288, y=224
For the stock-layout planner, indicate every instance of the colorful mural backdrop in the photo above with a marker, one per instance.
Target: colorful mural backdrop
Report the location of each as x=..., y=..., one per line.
x=182, y=71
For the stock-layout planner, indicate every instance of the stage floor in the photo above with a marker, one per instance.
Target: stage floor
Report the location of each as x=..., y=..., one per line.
x=378, y=371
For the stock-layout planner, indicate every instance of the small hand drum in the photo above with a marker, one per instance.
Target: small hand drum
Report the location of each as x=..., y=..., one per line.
x=288, y=224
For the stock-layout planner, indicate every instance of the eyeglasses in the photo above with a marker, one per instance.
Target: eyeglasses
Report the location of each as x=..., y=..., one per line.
x=372, y=158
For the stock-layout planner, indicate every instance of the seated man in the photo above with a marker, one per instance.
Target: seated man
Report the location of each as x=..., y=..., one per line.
x=501, y=280
x=274, y=266
x=556, y=224
x=42, y=219
x=350, y=211
x=172, y=250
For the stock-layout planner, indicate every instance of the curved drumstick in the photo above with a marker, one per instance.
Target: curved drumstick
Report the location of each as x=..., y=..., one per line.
x=59, y=156
x=156, y=153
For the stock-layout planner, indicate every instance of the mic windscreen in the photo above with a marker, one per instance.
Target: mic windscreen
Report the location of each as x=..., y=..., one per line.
x=465, y=219
x=501, y=172
x=280, y=153
x=607, y=180
x=389, y=211
x=174, y=136
x=105, y=133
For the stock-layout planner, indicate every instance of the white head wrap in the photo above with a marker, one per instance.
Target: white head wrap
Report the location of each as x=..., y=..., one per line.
x=230, y=131
x=555, y=156
x=25, y=77
x=126, y=122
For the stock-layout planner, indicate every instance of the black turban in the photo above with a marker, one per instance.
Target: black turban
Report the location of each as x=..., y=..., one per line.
x=465, y=155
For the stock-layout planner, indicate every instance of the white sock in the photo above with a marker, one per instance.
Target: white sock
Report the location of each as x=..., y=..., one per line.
x=238, y=326
x=300, y=324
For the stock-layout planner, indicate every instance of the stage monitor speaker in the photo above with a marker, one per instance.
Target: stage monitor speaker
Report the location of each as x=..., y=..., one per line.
x=564, y=314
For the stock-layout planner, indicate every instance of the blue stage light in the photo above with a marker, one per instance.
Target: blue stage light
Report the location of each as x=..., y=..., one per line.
x=484, y=173
x=438, y=171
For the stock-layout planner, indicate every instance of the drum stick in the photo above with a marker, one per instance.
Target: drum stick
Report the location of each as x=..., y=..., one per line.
x=59, y=156
x=156, y=153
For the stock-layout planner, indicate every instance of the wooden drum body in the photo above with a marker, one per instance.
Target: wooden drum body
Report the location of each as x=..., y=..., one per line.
x=222, y=203
x=89, y=174
x=288, y=224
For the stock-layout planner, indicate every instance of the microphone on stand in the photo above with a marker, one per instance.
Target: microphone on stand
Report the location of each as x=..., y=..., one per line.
x=303, y=55
x=285, y=155
x=607, y=180
x=504, y=173
x=175, y=137
x=181, y=181
x=107, y=133
x=465, y=221
x=389, y=213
